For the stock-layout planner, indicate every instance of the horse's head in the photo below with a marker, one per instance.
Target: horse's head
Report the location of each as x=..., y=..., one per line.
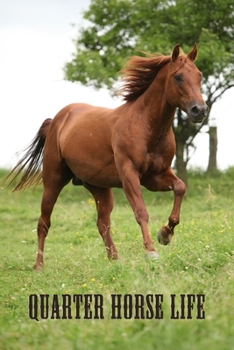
x=184, y=85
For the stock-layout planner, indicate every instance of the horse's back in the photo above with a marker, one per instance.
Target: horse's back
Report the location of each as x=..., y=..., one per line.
x=77, y=111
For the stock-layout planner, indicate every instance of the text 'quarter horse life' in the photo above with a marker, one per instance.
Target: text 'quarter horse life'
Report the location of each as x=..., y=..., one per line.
x=126, y=147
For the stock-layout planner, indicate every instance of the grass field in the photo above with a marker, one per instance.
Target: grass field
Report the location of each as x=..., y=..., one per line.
x=199, y=261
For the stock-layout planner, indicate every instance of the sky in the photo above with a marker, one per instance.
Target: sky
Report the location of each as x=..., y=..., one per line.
x=36, y=40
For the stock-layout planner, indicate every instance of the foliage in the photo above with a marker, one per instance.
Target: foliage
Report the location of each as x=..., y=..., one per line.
x=117, y=29
x=199, y=260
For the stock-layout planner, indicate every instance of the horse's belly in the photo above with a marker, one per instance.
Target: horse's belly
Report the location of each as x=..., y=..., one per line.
x=94, y=173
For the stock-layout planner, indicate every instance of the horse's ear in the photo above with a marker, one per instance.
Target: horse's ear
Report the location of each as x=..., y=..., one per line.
x=193, y=54
x=175, y=53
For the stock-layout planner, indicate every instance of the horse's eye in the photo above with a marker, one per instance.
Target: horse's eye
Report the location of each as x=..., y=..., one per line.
x=178, y=78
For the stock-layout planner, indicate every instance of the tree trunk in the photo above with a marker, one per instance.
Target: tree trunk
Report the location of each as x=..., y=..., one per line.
x=181, y=170
x=212, y=166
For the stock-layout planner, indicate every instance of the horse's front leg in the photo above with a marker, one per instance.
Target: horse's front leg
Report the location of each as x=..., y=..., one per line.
x=165, y=182
x=132, y=189
x=166, y=232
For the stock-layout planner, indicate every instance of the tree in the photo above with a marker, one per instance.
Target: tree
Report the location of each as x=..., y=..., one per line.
x=117, y=29
x=212, y=165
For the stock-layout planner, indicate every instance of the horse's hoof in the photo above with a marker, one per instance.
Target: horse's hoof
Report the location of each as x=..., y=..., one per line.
x=38, y=267
x=164, y=235
x=152, y=255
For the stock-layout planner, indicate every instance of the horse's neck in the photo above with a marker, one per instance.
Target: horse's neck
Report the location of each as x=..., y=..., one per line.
x=158, y=113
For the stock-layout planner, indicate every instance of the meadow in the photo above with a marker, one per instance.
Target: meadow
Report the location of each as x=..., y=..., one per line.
x=198, y=262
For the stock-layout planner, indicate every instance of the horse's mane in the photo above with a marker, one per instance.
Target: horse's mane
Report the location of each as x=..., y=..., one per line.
x=139, y=73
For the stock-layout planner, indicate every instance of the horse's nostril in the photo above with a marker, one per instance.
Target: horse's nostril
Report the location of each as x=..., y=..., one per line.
x=195, y=110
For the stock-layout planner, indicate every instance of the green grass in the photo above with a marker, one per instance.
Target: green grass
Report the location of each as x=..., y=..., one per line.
x=198, y=261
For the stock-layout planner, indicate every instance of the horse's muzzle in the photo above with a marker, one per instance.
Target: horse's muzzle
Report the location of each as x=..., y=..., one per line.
x=198, y=112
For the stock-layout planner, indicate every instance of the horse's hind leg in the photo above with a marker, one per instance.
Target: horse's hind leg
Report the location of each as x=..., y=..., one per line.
x=104, y=204
x=53, y=184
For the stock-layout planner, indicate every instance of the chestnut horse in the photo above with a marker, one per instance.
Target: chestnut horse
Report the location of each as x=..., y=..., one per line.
x=126, y=147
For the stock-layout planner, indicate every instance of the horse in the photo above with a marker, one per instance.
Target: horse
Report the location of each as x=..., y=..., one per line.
x=127, y=147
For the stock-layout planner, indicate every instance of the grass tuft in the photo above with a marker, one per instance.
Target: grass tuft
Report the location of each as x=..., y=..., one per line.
x=199, y=260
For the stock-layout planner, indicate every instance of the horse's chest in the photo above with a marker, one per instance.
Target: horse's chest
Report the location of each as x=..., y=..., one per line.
x=155, y=163
x=161, y=156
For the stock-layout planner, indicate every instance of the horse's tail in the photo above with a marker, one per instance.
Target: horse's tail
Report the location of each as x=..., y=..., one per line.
x=31, y=161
